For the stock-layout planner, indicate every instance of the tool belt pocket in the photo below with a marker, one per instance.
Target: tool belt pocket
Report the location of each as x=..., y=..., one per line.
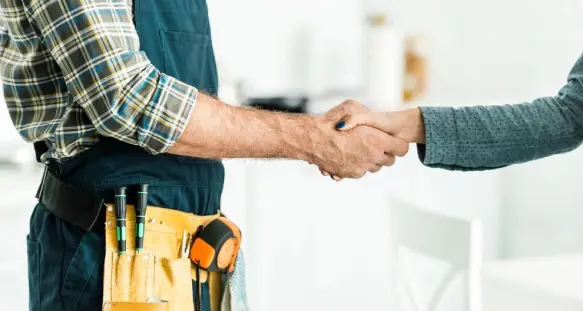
x=159, y=276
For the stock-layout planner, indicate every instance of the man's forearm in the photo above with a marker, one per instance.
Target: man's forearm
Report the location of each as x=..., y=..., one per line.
x=218, y=130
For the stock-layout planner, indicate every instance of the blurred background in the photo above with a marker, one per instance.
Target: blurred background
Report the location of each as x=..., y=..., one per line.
x=513, y=236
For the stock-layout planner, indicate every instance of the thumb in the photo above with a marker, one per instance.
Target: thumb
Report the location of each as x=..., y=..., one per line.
x=378, y=120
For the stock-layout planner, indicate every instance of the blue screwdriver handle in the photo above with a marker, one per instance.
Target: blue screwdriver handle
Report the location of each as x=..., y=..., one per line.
x=142, y=203
x=120, y=215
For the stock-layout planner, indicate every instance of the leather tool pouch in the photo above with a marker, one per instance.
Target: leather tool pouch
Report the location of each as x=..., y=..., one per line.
x=157, y=278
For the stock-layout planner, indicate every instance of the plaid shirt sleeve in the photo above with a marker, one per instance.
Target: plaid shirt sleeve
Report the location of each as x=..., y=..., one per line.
x=96, y=46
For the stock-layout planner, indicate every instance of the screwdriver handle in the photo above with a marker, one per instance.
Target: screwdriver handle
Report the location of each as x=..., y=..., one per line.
x=120, y=215
x=141, y=205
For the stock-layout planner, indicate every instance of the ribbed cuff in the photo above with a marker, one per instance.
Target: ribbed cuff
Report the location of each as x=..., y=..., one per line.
x=440, y=136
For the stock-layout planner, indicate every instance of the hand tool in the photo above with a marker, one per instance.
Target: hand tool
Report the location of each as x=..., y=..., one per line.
x=120, y=215
x=141, y=205
x=217, y=246
x=188, y=245
x=185, y=246
x=155, y=300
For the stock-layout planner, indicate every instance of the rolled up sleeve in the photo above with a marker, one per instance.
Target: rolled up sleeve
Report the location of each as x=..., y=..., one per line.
x=96, y=46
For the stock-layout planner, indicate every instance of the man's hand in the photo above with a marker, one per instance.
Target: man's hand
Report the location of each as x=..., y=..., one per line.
x=353, y=153
x=406, y=124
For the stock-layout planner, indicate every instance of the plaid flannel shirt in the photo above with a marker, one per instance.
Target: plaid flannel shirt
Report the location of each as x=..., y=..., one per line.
x=72, y=70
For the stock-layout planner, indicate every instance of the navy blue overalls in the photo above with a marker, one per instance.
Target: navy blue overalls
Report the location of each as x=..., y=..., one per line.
x=66, y=262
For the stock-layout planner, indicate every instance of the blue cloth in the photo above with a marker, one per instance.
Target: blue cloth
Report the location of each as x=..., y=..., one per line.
x=65, y=262
x=65, y=265
x=483, y=138
x=235, y=294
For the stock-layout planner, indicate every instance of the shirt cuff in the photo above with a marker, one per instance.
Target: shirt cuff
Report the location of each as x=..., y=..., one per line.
x=440, y=146
x=167, y=114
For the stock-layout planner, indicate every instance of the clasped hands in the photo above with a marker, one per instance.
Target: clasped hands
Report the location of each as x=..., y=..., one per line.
x=357, y=140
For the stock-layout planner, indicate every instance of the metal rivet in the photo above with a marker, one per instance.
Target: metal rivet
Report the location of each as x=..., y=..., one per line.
x=151, y=220
x=162, y=222
x=129, y=259
x=110, y=208
x=107, y=306
x=146, y=257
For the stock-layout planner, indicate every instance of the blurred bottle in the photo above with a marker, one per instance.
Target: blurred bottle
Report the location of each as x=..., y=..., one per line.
x=415, y=77
x=384, y=63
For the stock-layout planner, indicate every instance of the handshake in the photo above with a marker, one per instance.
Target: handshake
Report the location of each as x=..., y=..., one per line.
x=351, y=140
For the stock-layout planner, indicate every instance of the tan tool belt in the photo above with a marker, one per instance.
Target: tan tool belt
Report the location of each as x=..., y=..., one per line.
x=157, y=278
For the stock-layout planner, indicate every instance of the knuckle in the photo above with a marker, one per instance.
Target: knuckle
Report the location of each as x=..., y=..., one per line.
x=397, y=147
x=345, y=104
x=356, y=173
x=352, y=104
x=381, y=158
x=375, y=168
x=402, y=148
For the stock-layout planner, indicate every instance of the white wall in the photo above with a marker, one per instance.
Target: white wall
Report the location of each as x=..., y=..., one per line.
x=497, y=48
x=268, y=42
x=542, y=214
x=477, y=48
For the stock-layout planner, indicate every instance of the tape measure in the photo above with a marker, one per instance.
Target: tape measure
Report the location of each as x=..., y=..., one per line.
x=216, y=246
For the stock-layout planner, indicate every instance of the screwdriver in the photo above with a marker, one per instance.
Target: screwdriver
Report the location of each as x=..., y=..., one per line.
x=120, y=211
x=141, y=206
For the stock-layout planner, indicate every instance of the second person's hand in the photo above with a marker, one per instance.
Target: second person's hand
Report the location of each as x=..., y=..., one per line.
x=404, y=125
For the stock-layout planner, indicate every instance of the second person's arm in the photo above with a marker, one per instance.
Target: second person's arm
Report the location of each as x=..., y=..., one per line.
x=488, y=137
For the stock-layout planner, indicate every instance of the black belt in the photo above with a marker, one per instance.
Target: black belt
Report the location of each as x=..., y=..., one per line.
x=78, y=206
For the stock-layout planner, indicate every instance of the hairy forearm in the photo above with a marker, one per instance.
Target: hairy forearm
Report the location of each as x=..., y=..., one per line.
x=217, y=130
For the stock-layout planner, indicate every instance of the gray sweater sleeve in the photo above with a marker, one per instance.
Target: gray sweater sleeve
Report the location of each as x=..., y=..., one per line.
x=489, y=137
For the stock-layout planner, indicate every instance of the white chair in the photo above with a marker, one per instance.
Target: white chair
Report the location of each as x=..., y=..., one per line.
x=455, y=241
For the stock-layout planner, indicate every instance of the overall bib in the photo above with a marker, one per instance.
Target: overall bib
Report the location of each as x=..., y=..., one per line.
x=65, y=262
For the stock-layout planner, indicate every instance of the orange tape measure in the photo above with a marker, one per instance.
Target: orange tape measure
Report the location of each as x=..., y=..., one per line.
x=216, y=246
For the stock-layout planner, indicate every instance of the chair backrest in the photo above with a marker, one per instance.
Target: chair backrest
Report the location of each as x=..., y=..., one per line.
x=455, y=241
